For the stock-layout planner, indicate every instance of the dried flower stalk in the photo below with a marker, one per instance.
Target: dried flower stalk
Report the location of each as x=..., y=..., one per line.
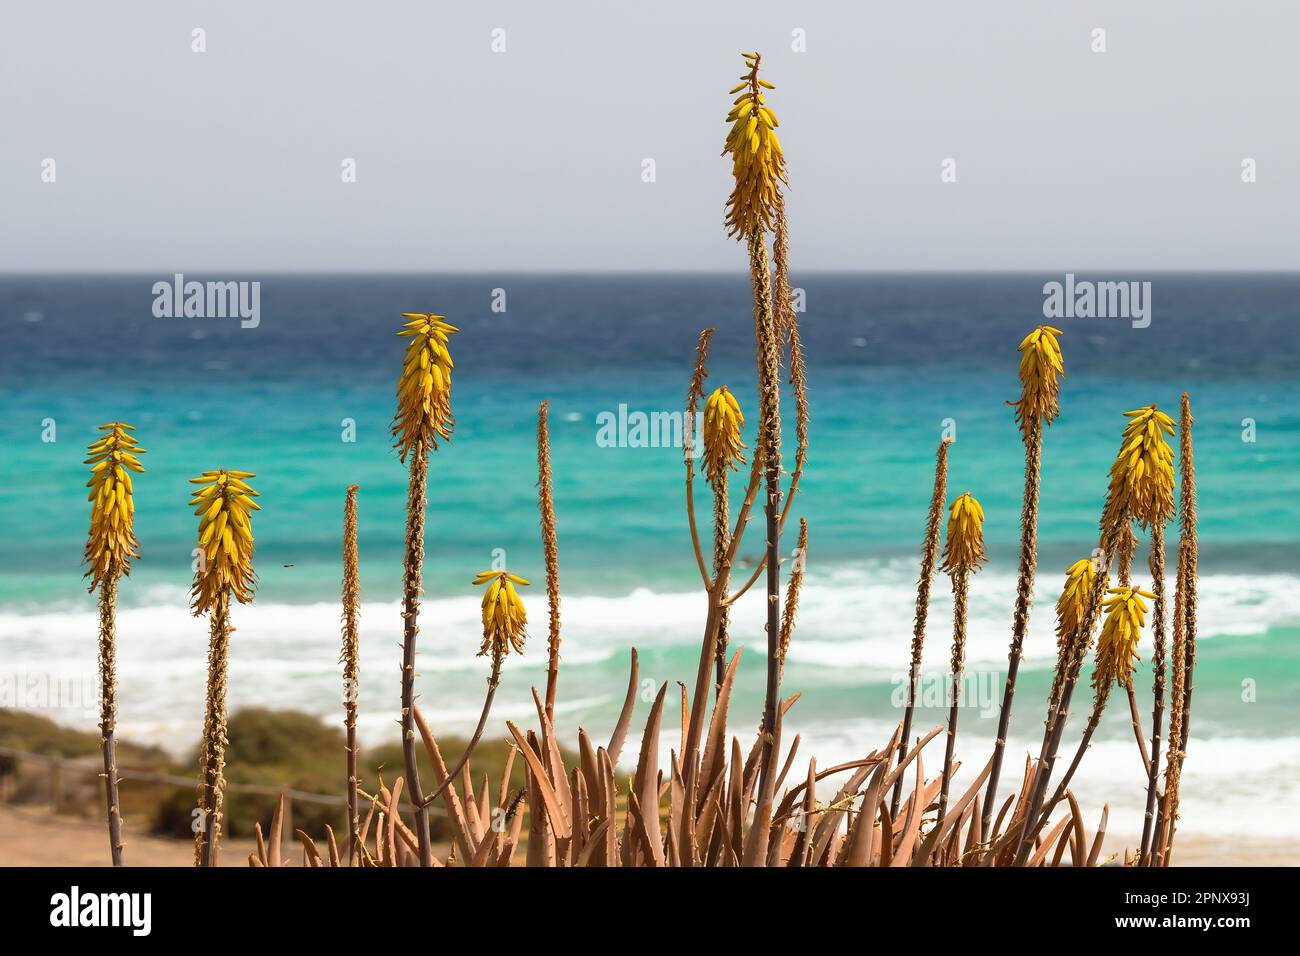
x=1160, y=667
x=793, y=587
x=550, y=551
x=1184, y=656
x=929, y=556
x=350, y=658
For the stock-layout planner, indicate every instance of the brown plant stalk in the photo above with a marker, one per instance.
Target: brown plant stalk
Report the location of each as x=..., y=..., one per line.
x=1094, y=719
x=1127, y=550
x=1141, y=492
x=1074, y=643
x=110, y=546
x=769, y=451
x=224, y=570
x=416, y=504
x=1041, y=774
x=963, y=553
x=351, y=660
x=694, y=445
x=1024, y=598
x=551, y=552
x=1135, y=719
x=212, y=763
x=1159, y=666
x=792, y=589
x=1184, y=639
x=960, y=594
x=1041, y=366
x=929, y=555
x=423, y=416
x=715, y=590
x=494, y=680
x=788, y=324
x=721, y=572
x=108, y=708
x=1100, y=698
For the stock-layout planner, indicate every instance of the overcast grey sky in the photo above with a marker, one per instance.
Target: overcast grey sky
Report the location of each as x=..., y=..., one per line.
x=170, y=160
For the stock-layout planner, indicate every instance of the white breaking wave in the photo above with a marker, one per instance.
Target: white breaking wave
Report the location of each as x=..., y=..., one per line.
x=854, y=629
x=1231, y=785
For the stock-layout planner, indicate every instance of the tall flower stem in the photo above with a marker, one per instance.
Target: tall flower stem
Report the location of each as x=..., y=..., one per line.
x=1085, y=741
x=225, y=501
x=494, y=681
x=504, y=620
x=960, y=593
x=963, y=553
x=1124, y=562
x=108, y=708
x=110, y=546
x=1184, y=657
x=929, y=555
x=351, y=666
x=1116, y=652
x=212, y=779
x=1159, y=666
x=716, y=598
x=721, y=571
x=416, y=504
x=1136, y=721
x=703, y=681
x=1056, y=720
x=1024, y=599
x=792, y=588
x=769, y=452
x=551, y=552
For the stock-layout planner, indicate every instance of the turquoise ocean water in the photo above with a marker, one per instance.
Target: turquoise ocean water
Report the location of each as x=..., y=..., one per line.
x=891, y=358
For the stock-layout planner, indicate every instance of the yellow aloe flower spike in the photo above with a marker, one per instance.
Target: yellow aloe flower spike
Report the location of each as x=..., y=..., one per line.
x=1142, y=478
x=964, y=549
x=1117, y=647
x=757, y=161
x=224, y=502
x=111, y=543
x=1041, y=369
x=504, y=618
x=722, y=424
x=424, y=390
x=1073, y=602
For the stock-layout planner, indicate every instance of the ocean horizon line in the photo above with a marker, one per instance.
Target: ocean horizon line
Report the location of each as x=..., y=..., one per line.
x=543, y=272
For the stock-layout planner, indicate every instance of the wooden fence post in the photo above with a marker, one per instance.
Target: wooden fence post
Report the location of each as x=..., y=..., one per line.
x=56, y=783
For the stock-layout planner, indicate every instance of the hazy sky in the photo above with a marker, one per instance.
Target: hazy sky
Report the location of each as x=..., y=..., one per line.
x=1067, y=160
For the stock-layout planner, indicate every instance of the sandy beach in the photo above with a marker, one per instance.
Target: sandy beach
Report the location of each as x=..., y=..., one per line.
x=33, y=836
